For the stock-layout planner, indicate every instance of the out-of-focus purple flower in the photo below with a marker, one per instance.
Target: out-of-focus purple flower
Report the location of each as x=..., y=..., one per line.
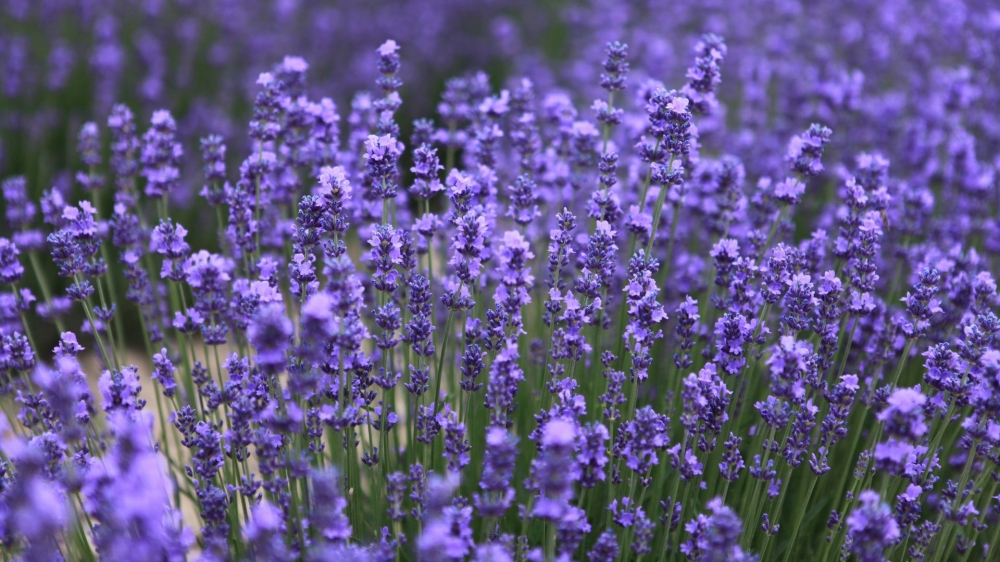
x=167, y=239
x=89, y=148
x=264, y=531
x=705, y=397
x=124, y=148
x=789, y=191
x=447, y=534
x=834, y=426
x=20, y=210
x=790, y=364
x=732, y=333
x=468, y=244
x=388, y=66
x=120, y=391
x=554, y=471
x=871, y=527
x=523, y=200
x=160, y=156
x=591, y=455
x=327, y=509
x=11, y=269
x=641, y=441
x=687, y=321
x=34, y=507
x=715, y=537
x=213, y=151
x=498, y=469
x=515, y=257
x=904, y=414
x=265, y=125
x=269, y=332
x=128, y=495
x=605, y=549
x=921, y=305
x=426, y=167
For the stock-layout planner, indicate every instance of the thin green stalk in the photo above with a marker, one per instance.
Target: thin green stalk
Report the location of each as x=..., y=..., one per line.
x=770, y=235
x=93, y=329
x=43, y=284
x=658, y=210
x=441, y=358
x=109, y=274
x=24, y=321
x=449, y=155
x=987, y=499
x=949, y=526
x=260, y=156
x=107, y=328
x=784, y=474
x=800, y=516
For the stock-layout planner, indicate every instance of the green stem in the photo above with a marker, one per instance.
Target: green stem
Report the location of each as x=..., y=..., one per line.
x=43, y=284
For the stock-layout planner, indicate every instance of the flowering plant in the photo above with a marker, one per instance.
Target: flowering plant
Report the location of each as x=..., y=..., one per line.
x=525, y=331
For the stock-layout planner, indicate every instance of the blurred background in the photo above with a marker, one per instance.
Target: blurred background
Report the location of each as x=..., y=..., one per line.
x=905, y=79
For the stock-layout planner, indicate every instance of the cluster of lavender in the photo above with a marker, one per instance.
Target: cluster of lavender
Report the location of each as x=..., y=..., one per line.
x=528, y=331
x=851, y=65
x=151, y=49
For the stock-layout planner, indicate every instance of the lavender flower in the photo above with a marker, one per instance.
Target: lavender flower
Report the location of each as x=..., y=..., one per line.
x=312, y=287
x=498, y=493
x=160, y=156
x=327, y=515
x=805, y=151
x=381, y=153
x=554, y=471
x=128, y=495
x=20, y=209
x=644, y=312
x=704, y=76
x=705, y=398
x=11, y=269
x=641, y=439
x=715, y=537
x=615, y=67
x=456, y=447
x=213, y=151
x=872, y=528
x=269, y=332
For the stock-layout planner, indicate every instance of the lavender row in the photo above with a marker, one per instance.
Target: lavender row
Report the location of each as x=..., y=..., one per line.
x=531, y=330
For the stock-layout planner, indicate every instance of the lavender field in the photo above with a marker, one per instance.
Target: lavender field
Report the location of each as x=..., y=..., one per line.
x=499, y=281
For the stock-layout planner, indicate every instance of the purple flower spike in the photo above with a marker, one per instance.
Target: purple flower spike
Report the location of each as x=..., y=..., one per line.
x=11, y=269
x=554, y=471
x=160, y=156
x=269, y=332
x=715, y=537
x=871, y=527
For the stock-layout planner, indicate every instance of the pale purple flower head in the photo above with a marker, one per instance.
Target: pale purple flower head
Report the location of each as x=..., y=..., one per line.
x=871, y=527
x=789, y=191
x=715, y=537
x=904, y=413
x=269, y=332
x=11, y=269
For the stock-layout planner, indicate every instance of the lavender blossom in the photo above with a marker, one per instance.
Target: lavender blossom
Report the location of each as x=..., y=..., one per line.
x=871, y=527
x=715, y=537
x=160, y=156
